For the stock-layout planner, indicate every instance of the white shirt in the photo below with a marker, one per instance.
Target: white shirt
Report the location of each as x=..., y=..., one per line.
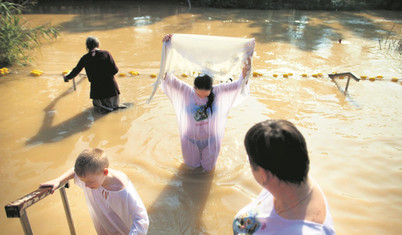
x=116, y=212
x=259, y=217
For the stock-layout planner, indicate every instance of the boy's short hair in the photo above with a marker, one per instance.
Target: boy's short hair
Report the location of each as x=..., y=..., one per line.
x=91, y=160
x=280, y=148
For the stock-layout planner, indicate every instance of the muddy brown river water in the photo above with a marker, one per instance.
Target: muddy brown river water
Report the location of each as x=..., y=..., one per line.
x=354, y=142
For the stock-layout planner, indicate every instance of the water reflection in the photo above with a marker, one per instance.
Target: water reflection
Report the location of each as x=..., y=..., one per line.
x=144, y=20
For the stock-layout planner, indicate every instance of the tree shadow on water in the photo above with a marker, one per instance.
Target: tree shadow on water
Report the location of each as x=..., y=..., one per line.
x=53, y=133
x=108, y=15
x=179, y=207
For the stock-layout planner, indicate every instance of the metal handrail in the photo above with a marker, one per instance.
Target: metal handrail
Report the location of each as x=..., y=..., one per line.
x=347, y=75
x=17, y=208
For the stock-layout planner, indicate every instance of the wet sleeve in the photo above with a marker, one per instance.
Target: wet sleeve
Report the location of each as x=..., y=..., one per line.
x=78, y=182
x=113, y=66
x=175, y=89
x=227, y=93
x=77, y=69
x=140, y=220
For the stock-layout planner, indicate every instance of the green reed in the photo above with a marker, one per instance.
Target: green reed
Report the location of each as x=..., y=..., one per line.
x=17, y=37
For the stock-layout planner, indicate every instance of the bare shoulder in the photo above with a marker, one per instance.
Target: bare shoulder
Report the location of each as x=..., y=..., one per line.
x=316, y=208
x=118, y=180
x=313, y=209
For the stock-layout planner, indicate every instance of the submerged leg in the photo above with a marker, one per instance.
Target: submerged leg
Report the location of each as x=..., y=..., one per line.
x=191, y=153
x=209, y=155
x=106, y=105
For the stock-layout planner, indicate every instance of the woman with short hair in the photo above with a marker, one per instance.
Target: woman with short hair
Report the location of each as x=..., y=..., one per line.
x=291, y=202
x=100, y=69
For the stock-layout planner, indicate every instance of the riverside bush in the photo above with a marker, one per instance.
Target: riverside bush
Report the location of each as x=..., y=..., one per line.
x=17, y=38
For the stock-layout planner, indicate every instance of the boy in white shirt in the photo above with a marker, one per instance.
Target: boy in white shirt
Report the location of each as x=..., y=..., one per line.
x=114, y=204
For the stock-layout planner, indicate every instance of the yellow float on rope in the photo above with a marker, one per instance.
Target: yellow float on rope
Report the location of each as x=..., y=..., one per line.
x=314, y=75
x=3, y=71
x=379, y=76
x=134, y=73
x=65, y=72
x=372, y=79
x=275, y=75
x=364, y=77
x=285, y=75
x=257, y=74
x=153, y=75
x=184, y=75
x=36, y=73
x=394, y=79
x=122, y=74
x=304, y=75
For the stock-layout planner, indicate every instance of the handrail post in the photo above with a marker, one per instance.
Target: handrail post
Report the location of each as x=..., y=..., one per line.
x=67, y=210
x=347, y=84
x=17, y=208
x=349, y=75
x=25, y=223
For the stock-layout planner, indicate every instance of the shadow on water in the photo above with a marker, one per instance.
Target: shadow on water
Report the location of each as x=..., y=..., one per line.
x=271, y=24
x=301, y=31
x=364, y=27
x=298, y=27
x=110, y=14
x=180, y=205
x=49, y=133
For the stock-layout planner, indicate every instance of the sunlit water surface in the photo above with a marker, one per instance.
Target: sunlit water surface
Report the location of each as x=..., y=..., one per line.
x=354, y=142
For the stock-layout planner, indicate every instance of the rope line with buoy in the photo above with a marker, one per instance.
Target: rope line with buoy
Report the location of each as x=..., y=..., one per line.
x=37, y=73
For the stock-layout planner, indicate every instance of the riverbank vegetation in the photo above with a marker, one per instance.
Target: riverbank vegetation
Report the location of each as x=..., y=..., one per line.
x=304, y=4
x=272, y=4
x=17, y=37
x=392, y=42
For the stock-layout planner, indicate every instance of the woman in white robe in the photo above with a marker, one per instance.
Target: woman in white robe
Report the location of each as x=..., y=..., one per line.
x=202, y=112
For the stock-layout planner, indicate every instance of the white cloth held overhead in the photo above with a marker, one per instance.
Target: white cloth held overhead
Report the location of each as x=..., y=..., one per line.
x=219, y=57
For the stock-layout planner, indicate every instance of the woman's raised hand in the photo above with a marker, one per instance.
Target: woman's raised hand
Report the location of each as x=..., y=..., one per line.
x=167, y=38
x=247, y=67
x=251, y=47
